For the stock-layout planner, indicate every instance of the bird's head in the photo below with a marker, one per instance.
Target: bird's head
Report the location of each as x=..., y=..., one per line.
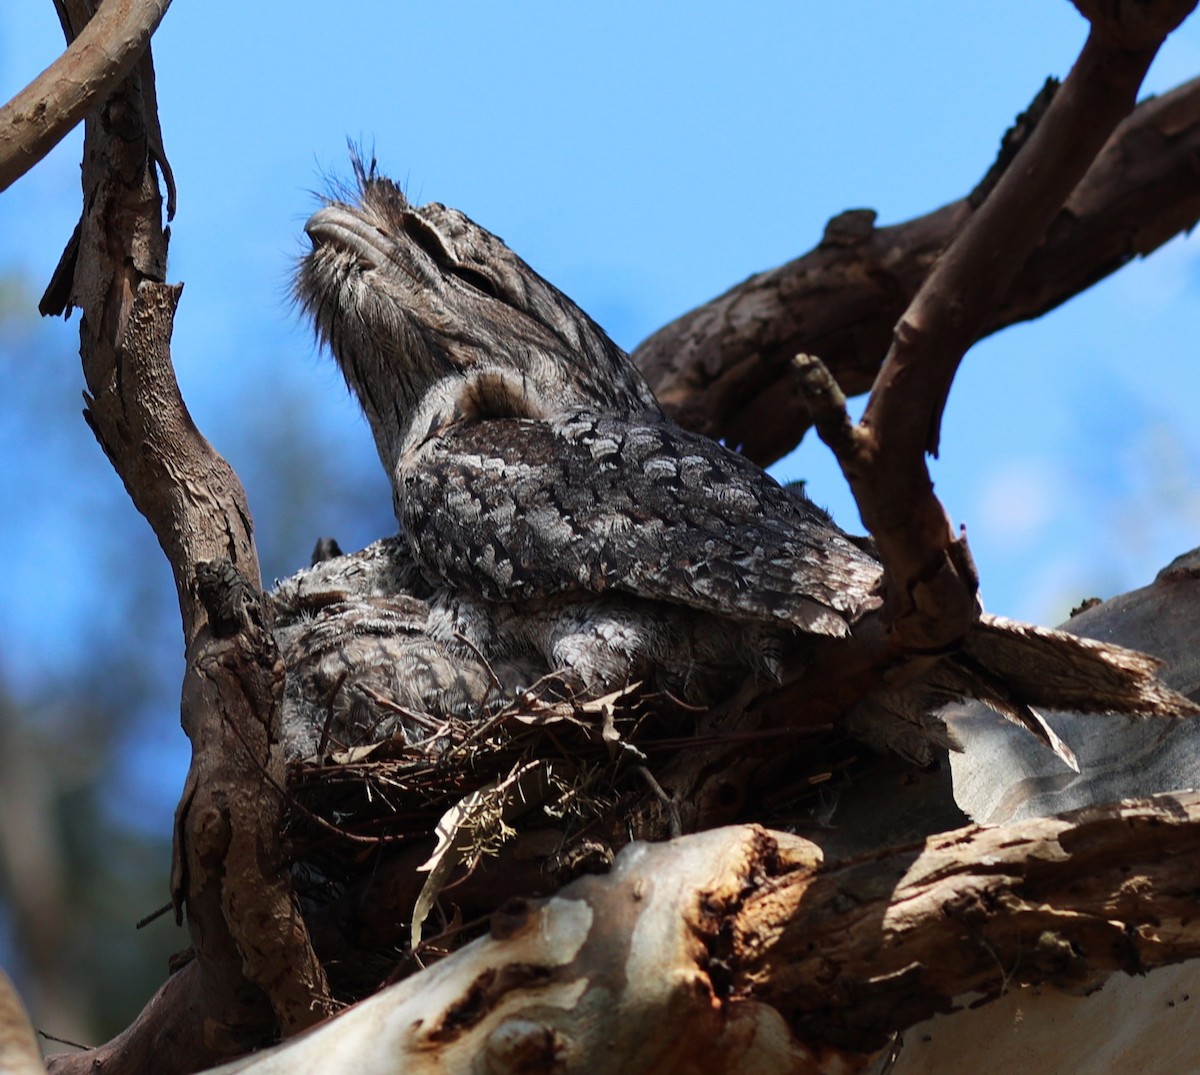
x=407, y=296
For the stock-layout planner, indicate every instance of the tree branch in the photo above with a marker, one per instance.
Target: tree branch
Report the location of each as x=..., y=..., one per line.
x=725, y=368
x=256, y=968
x=759, y=954
x=930, y=581
x=106, y=50
x=886, y=941
x=888, y=883
x=722, y=910
x=976, y=272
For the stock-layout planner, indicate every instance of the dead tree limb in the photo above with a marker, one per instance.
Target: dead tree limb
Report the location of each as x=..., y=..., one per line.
x=103, y=53
x=725, y=368
x=1058, y=900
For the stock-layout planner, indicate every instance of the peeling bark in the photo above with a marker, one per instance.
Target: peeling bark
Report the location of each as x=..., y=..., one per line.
x=741, y=949
x=738, y=949
x=256, y=969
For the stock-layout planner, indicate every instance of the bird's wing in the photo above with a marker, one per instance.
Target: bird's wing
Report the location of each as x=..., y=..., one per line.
x=514, y=508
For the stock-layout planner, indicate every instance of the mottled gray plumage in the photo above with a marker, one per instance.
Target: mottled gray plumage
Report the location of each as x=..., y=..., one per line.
x=362, y=663
x=528, y=456
x=556, y=512
x=513, y=509
x=373, y=652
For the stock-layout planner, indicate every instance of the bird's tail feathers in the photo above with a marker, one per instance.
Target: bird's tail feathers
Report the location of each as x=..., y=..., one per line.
x=1018, y=670
x=1044, y=667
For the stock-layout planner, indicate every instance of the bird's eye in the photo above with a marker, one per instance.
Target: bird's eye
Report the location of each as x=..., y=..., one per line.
x=425, y=237
x=428, y=240
x=475, y=279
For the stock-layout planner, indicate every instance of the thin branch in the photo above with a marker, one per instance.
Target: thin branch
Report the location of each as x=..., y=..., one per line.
x=106, y=50
x=725, y=368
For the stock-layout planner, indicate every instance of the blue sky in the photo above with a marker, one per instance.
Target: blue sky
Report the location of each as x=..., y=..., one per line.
x=643, y=158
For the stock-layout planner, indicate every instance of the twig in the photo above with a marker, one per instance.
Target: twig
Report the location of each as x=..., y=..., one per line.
x=329, y=714
x=494, y=683
x=153, y=916
x=61, y=1041
x=667, y=800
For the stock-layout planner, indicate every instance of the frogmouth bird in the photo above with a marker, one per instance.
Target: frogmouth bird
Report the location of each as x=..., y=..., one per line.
x=554, y=509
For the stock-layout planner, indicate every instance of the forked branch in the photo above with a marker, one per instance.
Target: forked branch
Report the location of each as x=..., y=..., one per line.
x=724, y=368
x=930, y=579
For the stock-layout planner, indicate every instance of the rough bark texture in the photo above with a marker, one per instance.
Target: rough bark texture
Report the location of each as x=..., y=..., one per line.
x=725, y=368
x=102, y=54
x=744, y=950
x=256, y=968
x=930, y=583
x=875, y=945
